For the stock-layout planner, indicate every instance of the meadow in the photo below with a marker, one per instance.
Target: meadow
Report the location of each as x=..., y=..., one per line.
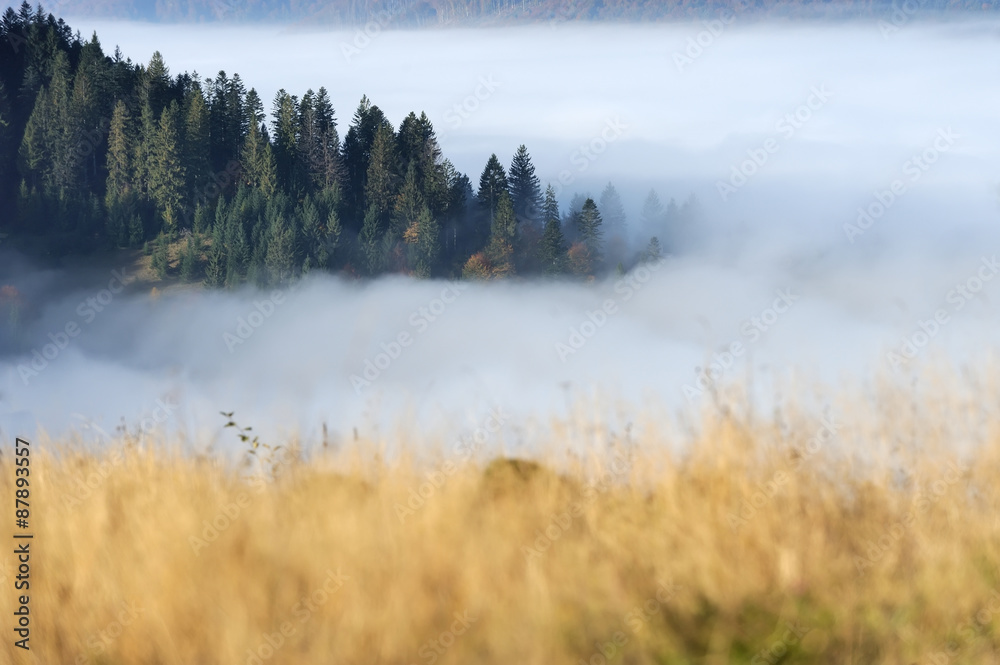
x=848, y=526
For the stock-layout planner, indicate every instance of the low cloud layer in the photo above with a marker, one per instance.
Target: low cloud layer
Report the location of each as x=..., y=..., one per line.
x=847, y=180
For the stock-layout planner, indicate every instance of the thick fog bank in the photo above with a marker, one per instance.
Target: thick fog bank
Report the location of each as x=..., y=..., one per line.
x=846, y=179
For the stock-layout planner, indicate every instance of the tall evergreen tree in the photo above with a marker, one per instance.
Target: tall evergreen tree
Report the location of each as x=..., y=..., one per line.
x=652, y=213
x=358, y=143
x=500, y=250
x=613, y=212
x=492, y=183
x=257, y=161
x=285, y=130
x=525, y=189
x=121, y=148
x=553, y=250
x=590, y=228
x=197, y=144
x=166, y=171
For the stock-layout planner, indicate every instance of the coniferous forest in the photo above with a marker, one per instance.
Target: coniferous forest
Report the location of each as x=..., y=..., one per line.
x=217, y=185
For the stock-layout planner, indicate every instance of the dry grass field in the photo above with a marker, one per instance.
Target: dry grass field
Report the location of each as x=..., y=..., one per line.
x=866, y=530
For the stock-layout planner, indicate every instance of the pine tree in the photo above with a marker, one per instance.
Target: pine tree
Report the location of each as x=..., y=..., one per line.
x=121, y=151
x=215, y=267
x=166, y=170
x=358, y=143
x=156, y=84
x=613, y=213
x=653, y=251
x=190, y=258
x=280, y=259
x=553, y=249
x=428, y=243
x=331, y=170
x=257, y=160
x=161, y=257
x=285, y=128
x=589, y=225
x=197, y=143
x=380, y=181
x=652, y=213
x=409, y=203
x=492, y=183
x=525, y=189
x=500, y=250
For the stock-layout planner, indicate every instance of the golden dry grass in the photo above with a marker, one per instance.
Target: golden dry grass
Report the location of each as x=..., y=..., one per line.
x=880, y=544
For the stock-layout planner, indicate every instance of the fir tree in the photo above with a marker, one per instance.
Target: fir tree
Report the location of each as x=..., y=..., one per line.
x=553, y=250
x=525, y=189
x=190, y=259
x=166, y=170
x=589, y=226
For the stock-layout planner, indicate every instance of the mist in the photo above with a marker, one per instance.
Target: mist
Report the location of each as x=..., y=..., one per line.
x=846, y=179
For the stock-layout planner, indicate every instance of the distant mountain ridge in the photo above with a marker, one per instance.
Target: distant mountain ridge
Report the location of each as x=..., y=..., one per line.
x=476, y=12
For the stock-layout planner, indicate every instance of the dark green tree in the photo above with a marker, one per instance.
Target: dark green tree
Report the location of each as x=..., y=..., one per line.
x=553, y=249
x=525, y=189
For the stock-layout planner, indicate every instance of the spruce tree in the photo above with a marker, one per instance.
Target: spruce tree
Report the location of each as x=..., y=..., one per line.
x=613, y=212
x=161, y=256
x=189, y=259
x=553, y=249
x=197, y=144
x=120, y=156
x=428, y=243
x=285, y=129
x=380, y=181
x=589, y=226
x=492, y=183
x=166, y=170
x=500, y=250
x=525, y=189
x=215, y=267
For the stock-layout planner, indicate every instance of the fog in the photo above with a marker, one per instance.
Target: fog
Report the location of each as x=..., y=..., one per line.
x=900, y=123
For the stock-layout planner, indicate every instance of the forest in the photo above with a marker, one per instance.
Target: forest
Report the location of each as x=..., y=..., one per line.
x=98, y=152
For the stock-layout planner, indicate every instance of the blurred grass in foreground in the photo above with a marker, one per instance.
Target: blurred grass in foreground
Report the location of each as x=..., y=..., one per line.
x=865, y=531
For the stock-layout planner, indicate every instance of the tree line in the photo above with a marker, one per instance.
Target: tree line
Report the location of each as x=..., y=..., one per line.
x=97, y=151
